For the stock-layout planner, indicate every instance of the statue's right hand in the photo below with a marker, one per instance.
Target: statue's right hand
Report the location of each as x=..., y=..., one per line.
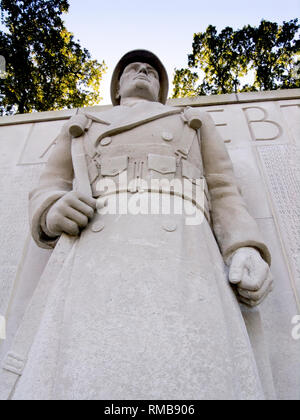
x=70, y=214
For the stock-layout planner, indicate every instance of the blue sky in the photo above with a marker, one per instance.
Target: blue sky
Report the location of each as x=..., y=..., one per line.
x=109, y=29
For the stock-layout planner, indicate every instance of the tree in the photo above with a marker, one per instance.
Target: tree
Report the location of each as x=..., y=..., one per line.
x=46, y=68
x=221, y=61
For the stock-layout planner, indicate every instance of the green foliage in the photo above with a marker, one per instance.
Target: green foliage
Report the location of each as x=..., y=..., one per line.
x=221, y=61
x=46, y=68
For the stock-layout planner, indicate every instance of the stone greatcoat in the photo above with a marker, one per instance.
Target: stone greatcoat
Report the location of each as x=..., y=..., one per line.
x=142, y=307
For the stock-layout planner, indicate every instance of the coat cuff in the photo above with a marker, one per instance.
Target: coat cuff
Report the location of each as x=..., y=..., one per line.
x=259, y=246
x=38, y=219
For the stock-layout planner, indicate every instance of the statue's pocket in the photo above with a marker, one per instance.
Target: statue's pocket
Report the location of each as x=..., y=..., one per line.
x=112, y=166
x=161, y=166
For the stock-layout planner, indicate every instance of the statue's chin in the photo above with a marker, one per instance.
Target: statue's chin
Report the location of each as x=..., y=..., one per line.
x=141, y=84
x=144, y=91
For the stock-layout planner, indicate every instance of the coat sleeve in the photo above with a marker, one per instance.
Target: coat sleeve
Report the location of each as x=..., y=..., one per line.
x=233, y=226
x=56, y=181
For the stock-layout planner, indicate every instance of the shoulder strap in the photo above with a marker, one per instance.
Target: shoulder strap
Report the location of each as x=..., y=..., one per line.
x=192, y=125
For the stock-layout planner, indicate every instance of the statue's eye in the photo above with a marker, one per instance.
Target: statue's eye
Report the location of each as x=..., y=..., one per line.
x=153, y=73
x=130, y=69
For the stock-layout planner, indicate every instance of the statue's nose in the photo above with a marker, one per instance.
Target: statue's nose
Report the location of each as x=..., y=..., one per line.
x=144, y=70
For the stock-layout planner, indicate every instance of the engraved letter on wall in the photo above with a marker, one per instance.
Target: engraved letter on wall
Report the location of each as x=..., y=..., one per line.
x=260, y=126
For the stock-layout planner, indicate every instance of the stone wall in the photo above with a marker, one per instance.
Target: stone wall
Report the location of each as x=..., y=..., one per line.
x=262, y=133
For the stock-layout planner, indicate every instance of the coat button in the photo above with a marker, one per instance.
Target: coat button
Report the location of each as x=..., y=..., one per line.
x=97, y=227
x=106, y=141
x=167, y=136
x=169, y=227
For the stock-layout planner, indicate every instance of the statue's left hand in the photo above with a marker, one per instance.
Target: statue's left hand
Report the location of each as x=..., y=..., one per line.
x=252, y=276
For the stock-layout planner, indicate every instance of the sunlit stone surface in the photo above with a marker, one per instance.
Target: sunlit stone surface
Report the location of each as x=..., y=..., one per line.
x=262, y=133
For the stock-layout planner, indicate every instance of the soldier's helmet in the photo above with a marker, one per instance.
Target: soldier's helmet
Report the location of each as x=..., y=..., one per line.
x=141, y=56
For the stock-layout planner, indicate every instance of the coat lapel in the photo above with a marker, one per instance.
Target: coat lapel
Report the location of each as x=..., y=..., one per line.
x=123, y=118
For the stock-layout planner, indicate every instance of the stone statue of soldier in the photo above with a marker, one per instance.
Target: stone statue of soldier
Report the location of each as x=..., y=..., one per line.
x=143, y=306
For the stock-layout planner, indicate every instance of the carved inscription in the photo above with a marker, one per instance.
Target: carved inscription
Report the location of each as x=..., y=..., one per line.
x=291, y=114
x=219, y=124
x=260, y=126
x=280, y=164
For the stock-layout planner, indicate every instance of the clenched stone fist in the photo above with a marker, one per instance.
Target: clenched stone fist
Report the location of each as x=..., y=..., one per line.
x=252, y=276
x=70, y=214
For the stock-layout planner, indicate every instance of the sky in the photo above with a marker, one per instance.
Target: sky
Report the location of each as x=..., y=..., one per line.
x=111, y=28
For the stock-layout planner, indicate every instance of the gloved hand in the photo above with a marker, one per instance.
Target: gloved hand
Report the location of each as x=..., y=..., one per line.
x=70, y=214
x=252, y=276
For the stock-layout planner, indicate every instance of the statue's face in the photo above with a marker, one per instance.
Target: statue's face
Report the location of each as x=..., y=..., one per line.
x=139, y=80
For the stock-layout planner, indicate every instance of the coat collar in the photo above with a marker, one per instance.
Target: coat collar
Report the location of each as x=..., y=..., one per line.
x=123, y=118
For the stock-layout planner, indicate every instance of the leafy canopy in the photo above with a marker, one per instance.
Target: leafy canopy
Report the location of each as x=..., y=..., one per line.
x=220, y=62
x=46, y=68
